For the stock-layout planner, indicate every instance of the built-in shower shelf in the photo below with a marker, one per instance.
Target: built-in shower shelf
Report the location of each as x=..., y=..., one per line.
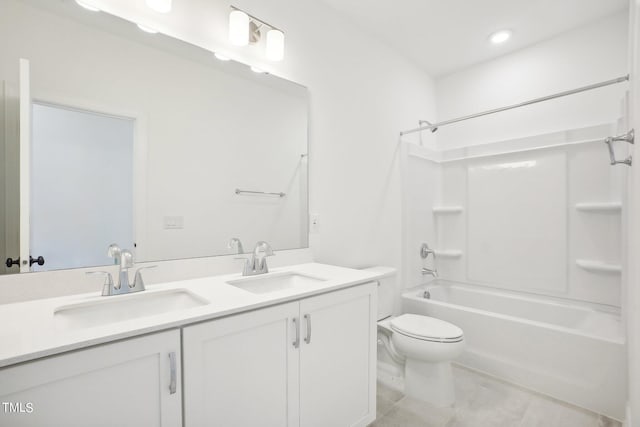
x=451, y=253
x=443, y=210
x=600, y=207
x=599, y=266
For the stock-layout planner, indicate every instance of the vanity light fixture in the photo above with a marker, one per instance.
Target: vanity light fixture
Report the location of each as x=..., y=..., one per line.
x=500, y=36
x=147, y=29
x=88, y=6
x=160, y=6
x=239, y=28
x=246, y=29
x=275, y=45
x=221, y=57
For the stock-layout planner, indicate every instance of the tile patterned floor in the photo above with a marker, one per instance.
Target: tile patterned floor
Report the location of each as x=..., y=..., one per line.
x=483, y=401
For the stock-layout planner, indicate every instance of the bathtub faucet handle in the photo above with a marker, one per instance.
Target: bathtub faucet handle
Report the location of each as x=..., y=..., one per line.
x=425, y=251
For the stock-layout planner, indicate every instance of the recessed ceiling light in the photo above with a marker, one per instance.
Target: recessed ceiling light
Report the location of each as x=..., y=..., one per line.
x=147, y=29
x=500, y=36
x=88, y=6
x=257, y=70
x=221, y=57
x=161, y=6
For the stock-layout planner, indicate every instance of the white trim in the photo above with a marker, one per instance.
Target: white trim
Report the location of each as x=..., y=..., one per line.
x=25, y=163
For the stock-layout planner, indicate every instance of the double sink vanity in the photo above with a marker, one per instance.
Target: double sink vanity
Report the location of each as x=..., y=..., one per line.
x=295, y=346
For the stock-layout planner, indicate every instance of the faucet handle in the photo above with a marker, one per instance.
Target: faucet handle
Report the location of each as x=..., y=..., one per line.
x=108, y=281
x=263, y=247
x=126, y=259
x=114, y=251
x=236, y=245
x=137, y=281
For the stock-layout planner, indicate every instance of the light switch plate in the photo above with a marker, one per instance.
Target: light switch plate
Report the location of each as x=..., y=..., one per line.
x=173, y=222
x=314, y=224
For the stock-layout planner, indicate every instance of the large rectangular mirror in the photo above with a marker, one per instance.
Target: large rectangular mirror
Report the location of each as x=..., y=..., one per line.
x=139, y=139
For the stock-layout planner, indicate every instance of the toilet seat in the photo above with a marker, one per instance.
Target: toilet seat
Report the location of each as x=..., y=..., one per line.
x=426, y=328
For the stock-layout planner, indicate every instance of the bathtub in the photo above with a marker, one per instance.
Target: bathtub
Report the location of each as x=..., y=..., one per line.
x=570, y=351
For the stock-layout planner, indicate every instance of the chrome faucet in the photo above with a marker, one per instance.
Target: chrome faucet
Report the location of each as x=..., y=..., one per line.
x=425, y=251
x=124, y=259
x=236, y=245
x=433, y=272
x=257, y=264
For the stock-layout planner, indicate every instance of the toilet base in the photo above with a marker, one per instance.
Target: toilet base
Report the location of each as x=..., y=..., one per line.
x=430, y=382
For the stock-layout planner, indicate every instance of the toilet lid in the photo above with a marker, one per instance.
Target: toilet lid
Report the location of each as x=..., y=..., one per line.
x=426, y=328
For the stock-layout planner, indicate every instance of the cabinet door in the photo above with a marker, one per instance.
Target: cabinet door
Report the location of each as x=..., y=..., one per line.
x=242, y=370
x=122, y=384
x=338, y=358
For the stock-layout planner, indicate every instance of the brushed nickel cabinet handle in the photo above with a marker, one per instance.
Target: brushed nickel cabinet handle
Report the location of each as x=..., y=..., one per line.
x=296, y=325
x=173, y=373
x=307, y=318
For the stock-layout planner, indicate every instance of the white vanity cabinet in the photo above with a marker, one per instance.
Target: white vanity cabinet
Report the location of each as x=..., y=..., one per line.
x=134, y=383
x=305, y=363
x=338, y=358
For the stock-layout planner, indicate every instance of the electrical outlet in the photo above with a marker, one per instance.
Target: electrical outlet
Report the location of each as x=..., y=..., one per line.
x=314, y=224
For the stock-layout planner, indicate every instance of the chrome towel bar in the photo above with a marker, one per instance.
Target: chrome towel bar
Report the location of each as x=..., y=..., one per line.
x=260, y=193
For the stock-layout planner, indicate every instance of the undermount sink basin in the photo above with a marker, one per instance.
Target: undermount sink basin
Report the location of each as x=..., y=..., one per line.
x=124, y=307
x=274, y=282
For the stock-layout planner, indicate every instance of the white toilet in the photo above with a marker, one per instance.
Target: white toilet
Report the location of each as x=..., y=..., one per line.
x=425, y=346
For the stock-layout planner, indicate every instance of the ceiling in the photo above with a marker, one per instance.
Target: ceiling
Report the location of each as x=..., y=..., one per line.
x=444, y=36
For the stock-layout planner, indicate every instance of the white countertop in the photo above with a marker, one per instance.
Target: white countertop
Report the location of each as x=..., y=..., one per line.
x=29, y=330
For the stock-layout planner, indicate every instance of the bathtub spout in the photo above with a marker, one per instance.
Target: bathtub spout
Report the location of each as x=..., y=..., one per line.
x=433, y=272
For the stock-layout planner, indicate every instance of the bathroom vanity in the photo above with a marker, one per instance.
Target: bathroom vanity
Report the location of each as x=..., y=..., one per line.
x=294, y=347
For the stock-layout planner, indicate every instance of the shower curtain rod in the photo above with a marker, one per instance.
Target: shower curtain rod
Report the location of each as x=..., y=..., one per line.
x=522, y=104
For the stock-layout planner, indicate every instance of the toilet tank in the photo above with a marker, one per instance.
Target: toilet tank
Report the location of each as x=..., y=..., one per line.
x=386, y=290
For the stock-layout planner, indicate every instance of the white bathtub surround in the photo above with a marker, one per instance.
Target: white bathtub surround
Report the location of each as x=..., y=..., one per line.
x=569, y=350
x=487, y=200
x=483, y=401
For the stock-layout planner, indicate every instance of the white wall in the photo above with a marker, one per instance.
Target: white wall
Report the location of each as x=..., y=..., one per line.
x=361, y=95
x=587, y=55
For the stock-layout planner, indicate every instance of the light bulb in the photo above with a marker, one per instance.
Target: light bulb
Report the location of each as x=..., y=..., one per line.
x=500, y=36
x=88, y=6
x=161, y=6
x=221, y=57
x=147, y=29
x=257, y=70
x=239, y=28
x=275, y=45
